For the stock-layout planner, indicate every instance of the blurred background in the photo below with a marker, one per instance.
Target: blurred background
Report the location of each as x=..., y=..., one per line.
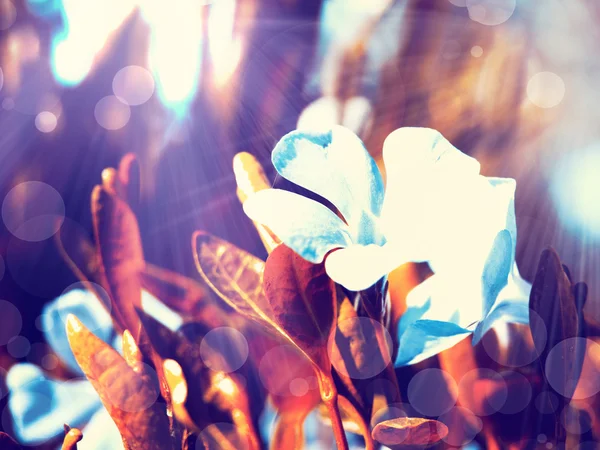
x=187, y=84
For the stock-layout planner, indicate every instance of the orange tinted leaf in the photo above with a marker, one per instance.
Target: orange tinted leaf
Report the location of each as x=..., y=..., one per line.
x=72, y=437
x=409, y=431
x=128, y=393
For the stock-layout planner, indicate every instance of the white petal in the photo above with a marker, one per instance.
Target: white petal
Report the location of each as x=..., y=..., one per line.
x=336, y=166
x=446, y=299
x=359, y=267
x=307, y=227
x=427, y=181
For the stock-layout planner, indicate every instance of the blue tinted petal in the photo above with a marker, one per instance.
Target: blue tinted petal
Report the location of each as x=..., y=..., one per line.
x=41, y=406
x=88, y=309
x=425, y=338
x=512, y=306
x=336, y=166
x=101, y=433
x=496, y=269
x=307, y=227
x=446, y=299
x=504, y=190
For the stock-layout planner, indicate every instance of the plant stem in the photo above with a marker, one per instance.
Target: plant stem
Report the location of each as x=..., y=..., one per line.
x=329, y=396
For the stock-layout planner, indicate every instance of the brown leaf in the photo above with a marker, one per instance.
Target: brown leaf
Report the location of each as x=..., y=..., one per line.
x=409, y=431
x=237, y=278
x=299, y=304
x=553, y=299
x=119, y=246
x=303, y=302
x=8, y=443
x=129, y=393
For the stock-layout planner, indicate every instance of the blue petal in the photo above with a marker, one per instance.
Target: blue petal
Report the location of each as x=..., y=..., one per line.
x=41, y=406
x=425, y=338
x=307, y=227
x=509, y=310
x=496, y=269
x=336, y=166
x=88, y=309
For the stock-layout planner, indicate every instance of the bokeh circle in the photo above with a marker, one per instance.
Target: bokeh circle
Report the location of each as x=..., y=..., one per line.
x=224, y=349
x=432, y=392
x=33, y=211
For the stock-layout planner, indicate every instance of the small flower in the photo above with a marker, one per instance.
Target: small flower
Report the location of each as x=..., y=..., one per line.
x=436, y=208
x=41, y=405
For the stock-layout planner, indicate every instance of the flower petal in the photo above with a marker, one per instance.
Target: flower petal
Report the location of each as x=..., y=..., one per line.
x=426, y=338
x=497, y=269
x=486, y=208
x=90, y=311
x=336, y=166
x=428, y=180
x=41, y=406
x=445, y=299
x=307, y=227
x=358, y=267
x=101, y=433
x=508, y=311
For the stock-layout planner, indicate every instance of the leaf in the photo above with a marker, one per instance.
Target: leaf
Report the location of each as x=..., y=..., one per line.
x=119, y=245
x=72, y=437
x=298, y=302
x=553, y=299
x=128, y=392
x=237, y=278
x=303, y=302
x=129, y=178
x=409, y=431
x=233, y=274
x=212, y=396
x=8, y=443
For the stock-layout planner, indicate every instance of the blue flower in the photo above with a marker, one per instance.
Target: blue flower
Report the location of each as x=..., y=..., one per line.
x=40, y=405
x=435, y=208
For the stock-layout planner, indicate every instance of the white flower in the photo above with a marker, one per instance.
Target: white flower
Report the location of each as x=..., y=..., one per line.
x=436, y=208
